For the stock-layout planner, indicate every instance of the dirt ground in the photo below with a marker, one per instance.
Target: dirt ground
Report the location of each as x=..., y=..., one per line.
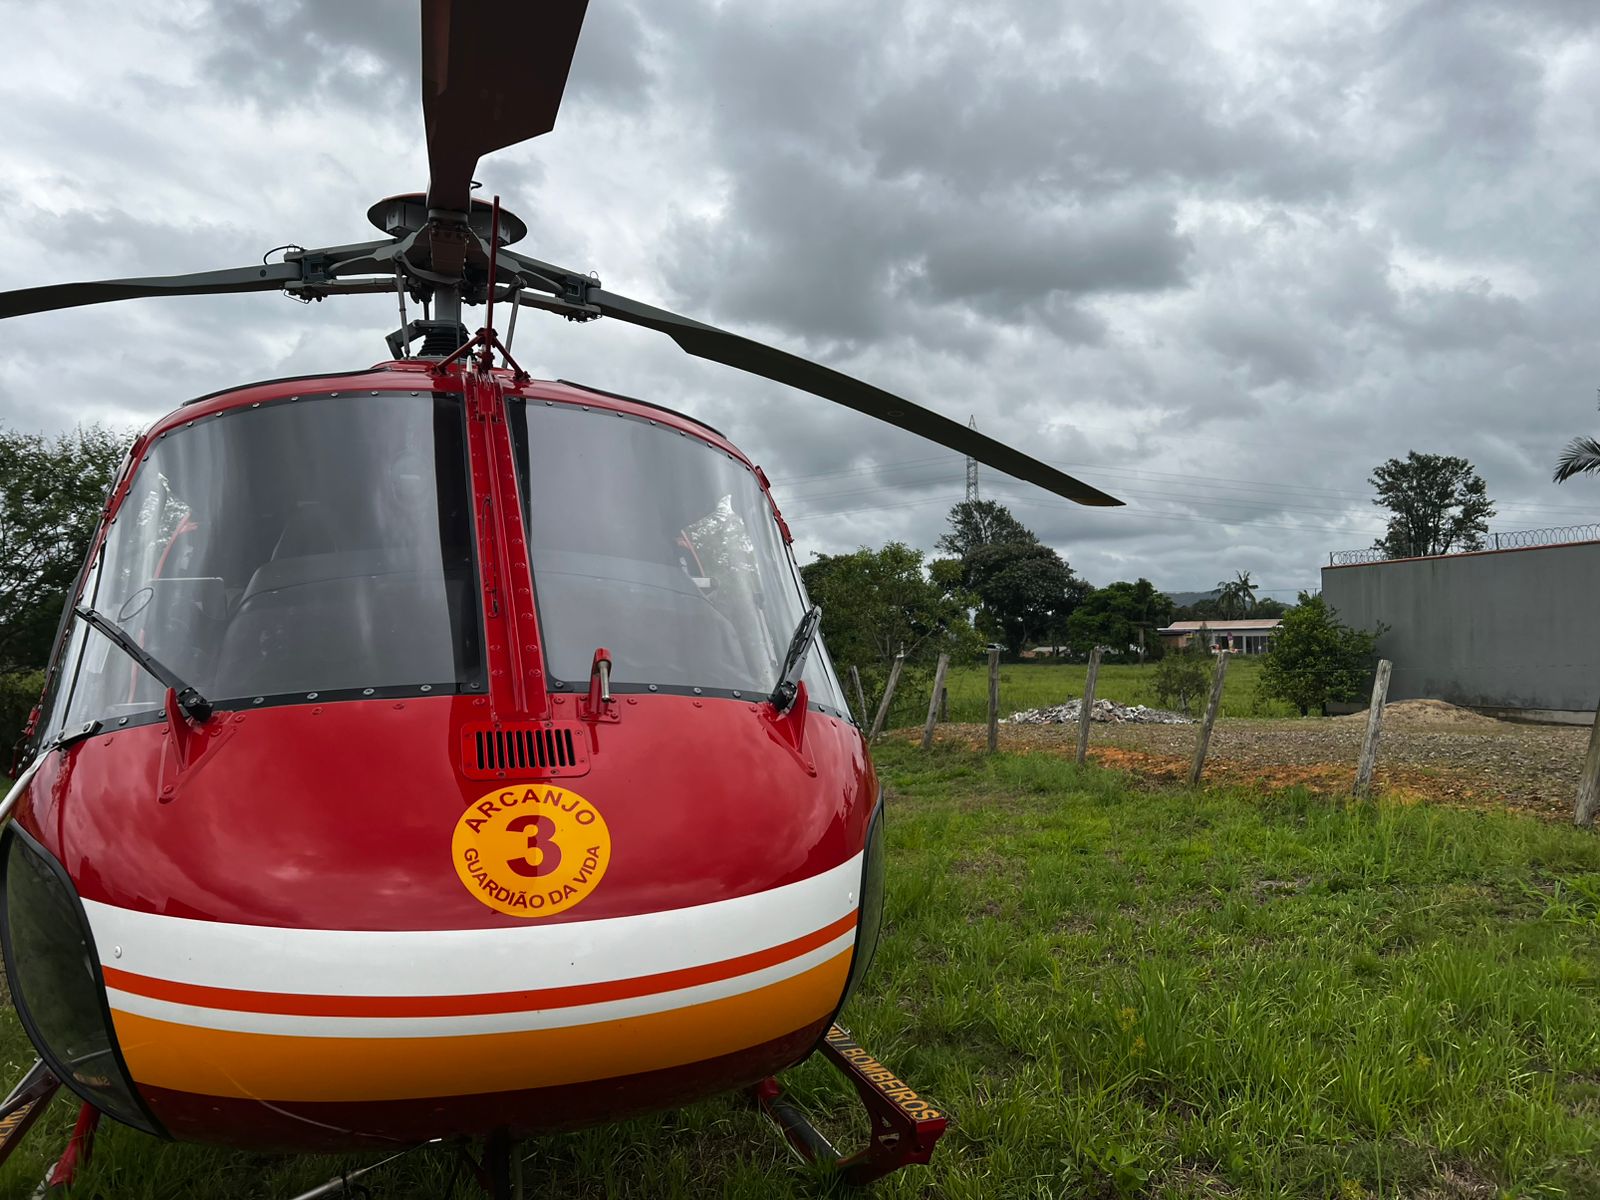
x=1428, y=752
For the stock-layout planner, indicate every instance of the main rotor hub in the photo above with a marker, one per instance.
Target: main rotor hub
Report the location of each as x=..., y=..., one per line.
x=400, y=216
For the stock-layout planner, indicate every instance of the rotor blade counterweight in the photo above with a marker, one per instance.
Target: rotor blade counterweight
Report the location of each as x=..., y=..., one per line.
x=493, y=72
x=730, y=349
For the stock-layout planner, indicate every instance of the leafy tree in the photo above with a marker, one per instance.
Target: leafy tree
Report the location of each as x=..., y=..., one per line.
x=52, y=491
x=1315, y=659
x=1183, y=676
x=879, y=603
x=1269, y=608
x=19, y=692
x=975, y=524
x=1204, y=609
x=1027, y=591
x=1438, y=502
x=1116, y=614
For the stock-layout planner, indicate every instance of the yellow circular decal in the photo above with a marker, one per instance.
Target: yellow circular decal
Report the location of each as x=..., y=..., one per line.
x=531, y=851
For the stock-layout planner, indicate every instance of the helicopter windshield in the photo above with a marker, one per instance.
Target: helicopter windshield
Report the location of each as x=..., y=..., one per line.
x=317, y=545
x=661, y=548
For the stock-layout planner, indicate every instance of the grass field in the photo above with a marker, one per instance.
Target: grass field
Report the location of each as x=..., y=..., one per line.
x=1035, y=685
x=1124, y=992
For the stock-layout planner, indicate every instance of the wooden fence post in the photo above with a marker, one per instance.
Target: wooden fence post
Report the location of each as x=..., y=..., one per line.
x=933, y=700
x=861, y=697
x=1212, y=706
x=888, y=694
x=1369, y=744
x=1087, y=705
x=1588, y=805
x=994, y=701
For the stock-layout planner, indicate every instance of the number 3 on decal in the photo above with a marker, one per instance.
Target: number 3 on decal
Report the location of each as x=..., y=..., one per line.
x=540, y=841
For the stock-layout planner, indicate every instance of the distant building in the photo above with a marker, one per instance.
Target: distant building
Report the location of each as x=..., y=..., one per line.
x=1243, y=636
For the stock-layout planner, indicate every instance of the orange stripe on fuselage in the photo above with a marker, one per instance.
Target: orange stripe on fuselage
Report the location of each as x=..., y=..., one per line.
x=293, y=1004
x=279, y=1067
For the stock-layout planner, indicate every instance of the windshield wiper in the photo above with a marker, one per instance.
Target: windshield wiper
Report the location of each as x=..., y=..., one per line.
x=189, y=699
x=794, y=662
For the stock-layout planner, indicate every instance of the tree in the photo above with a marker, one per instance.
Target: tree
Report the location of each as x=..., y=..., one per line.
x=1183, y=676
x=1315, y=660
x=1026, y=591
x=52, y=491
x=1118, y=614
x=1204, y=609
x=975, y=524
x=1236, y=596
x=1438, y=502
x=880, y=603
x=1581, y=457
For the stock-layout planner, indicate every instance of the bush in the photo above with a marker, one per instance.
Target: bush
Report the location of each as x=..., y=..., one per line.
x=1315, y=660
x=19, y=692
x=1182, y=677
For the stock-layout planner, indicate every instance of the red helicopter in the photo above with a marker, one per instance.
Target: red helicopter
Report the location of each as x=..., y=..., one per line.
x=430, y=752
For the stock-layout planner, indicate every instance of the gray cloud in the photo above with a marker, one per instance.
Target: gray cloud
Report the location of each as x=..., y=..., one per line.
x=1219, y=259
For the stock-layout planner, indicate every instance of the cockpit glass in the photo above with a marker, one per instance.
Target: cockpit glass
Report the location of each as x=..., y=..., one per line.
x=316, y=545
x=660, y=548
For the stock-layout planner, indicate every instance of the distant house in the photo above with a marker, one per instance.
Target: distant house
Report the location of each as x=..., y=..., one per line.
x=1244, y=636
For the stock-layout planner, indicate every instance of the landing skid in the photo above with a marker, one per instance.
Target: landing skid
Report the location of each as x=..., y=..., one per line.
x=25, y=1105
x=905, y=1126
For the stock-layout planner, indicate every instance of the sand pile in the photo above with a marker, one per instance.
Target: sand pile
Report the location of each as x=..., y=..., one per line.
x=1428, y=714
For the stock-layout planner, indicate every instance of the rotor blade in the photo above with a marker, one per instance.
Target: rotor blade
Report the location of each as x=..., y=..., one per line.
x=492, y=75
x=203, y=283
x=718, y=345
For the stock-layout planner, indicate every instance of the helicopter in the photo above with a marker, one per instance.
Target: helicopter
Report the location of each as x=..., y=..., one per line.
x=433, y=753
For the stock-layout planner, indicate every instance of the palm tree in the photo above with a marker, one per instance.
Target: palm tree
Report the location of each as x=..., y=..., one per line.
x=1236, y=596
x=1245, y=590
x=1582, y=456
x=1227, y=598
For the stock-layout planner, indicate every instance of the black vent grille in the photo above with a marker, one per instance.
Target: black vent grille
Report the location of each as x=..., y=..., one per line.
x=495, y=751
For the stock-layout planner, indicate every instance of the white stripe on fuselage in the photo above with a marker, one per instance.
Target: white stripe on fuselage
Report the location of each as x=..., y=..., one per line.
x=460, y=1025
x=462, y=962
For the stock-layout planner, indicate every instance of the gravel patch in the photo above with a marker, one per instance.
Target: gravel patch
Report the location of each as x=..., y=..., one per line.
x=1105, y=712
x=1531, y=768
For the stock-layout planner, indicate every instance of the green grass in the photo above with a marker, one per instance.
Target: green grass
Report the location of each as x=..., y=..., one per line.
x=1123, y=992
x=1035, y=685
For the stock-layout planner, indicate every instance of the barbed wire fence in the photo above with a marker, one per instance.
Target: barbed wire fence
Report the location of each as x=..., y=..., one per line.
x=1516, y=539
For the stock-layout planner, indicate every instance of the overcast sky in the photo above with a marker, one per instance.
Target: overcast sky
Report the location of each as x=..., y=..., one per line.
x=1217, y=258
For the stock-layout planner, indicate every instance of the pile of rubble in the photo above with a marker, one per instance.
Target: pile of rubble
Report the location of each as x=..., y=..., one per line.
x=1101, y=710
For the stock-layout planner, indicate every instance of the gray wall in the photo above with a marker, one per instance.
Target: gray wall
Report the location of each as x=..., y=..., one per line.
x=1516, y=629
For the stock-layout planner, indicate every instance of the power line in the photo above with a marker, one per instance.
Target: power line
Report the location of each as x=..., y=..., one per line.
x=1202, y=500
x=810, y=513
x=1209, y=482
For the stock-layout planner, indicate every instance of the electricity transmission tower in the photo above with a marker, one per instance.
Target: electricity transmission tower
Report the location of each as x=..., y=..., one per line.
x=972, y=468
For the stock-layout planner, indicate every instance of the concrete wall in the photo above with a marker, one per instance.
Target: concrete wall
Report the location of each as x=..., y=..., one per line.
x=1505, y=629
